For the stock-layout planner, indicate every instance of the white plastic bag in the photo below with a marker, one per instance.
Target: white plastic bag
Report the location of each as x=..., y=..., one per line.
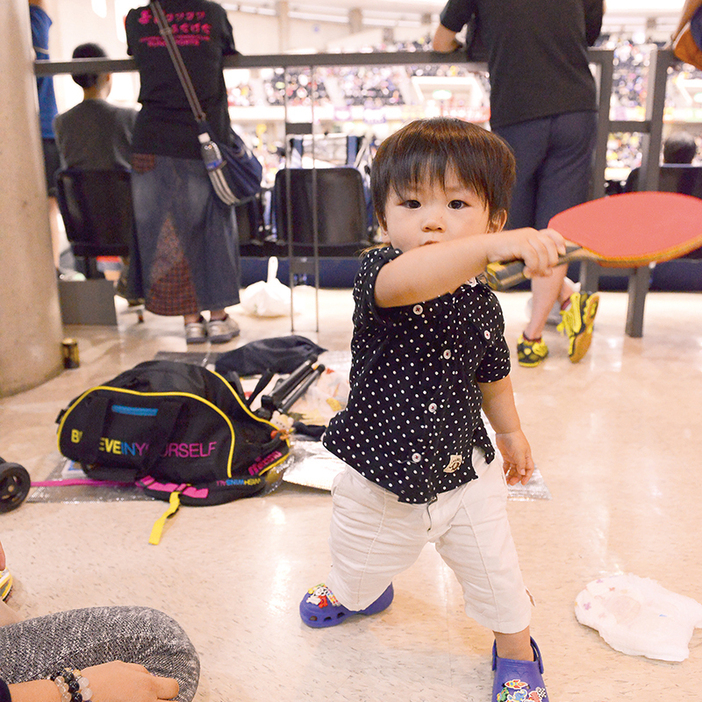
x=267, y=298
x=639, y=616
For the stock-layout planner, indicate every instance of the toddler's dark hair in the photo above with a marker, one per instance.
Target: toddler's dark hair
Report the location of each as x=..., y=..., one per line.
x=427, y=148
x=90, y=50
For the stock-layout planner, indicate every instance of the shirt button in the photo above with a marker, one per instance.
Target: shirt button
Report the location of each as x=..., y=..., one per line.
x=487, y=334
x=447, y=354
x=433, y=407
x=416, y=457
x=418, y=309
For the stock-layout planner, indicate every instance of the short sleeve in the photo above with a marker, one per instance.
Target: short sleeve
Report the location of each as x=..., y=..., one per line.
x=495, y=364
x=456, y=14
x=228, y=48
x=593, y=20
x=4, y=692
x=366, y=310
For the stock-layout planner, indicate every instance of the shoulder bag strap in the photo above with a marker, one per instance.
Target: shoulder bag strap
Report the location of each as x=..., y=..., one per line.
x=178, y=63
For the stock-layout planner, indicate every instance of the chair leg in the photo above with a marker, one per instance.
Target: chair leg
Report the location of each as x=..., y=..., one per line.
x=639, y=282
x=589, y=276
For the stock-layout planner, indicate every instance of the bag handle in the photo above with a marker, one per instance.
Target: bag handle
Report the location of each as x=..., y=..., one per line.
x=166, y=418
x=93, y=432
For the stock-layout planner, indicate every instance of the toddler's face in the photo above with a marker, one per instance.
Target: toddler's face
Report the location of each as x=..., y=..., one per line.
x=428, y=214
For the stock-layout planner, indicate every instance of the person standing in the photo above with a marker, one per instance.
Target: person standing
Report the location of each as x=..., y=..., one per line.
x=543, y=103
x=40, y=24
x=186, y=239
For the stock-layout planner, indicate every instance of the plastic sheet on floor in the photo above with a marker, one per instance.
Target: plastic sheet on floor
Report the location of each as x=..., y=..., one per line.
x=311, y=465
x=74, y=490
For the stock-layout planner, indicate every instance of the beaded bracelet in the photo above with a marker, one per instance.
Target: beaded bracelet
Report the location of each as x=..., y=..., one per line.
x=72, y=686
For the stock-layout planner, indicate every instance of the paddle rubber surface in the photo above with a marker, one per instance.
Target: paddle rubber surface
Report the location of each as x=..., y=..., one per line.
x=633, y=229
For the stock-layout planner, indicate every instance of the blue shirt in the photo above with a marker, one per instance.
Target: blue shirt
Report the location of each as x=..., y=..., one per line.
x=414, y=409
x=41, y=22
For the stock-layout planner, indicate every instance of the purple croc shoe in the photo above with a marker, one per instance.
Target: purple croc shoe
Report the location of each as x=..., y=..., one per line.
x=518, y=681
x=319, y=608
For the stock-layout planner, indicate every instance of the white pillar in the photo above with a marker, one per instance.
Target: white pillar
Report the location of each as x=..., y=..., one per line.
x=355, y=20
x=30, y=318
x=281, y=8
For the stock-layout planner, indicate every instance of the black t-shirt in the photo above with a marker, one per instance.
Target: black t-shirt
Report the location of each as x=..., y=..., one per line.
x=537, y=54
x=4, y=692
x=414, y=410
x=165, y=124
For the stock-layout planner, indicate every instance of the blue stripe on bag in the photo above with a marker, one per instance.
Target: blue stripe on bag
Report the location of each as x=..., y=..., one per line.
x=136, y=411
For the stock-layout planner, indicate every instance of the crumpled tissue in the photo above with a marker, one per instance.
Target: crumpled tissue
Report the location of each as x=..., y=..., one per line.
x=639, y=617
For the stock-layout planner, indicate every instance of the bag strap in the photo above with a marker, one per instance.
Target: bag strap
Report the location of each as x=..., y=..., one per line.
x=178, y=63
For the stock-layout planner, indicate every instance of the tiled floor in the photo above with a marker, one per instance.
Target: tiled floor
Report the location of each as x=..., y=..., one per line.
x=617, y=437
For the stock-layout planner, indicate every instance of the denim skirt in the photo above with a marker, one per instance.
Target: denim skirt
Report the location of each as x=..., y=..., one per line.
x=186, y=253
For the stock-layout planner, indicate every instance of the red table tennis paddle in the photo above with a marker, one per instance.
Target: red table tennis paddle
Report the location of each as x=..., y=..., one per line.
x=621, y=231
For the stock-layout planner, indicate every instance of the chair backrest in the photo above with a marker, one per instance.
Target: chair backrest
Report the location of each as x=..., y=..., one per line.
x=674, y=178
x=342, y=222
x=97, y=211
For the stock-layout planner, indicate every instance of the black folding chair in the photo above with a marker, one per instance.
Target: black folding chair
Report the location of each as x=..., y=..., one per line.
x=96, y=207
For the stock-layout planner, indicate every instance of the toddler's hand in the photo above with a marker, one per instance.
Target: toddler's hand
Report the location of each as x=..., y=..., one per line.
x=539, y=249
x=518, y=464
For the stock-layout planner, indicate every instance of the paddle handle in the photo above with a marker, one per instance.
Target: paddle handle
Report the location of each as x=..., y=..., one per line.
x=501, y=276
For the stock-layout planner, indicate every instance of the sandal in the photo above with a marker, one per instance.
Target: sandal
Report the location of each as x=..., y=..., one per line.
x=319, y=608
x=518, y=681
x=196, y=332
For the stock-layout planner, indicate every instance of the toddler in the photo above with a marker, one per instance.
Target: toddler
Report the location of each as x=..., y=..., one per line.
x=428, y=353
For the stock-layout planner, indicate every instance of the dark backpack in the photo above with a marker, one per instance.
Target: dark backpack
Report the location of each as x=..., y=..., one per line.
x=174, y=428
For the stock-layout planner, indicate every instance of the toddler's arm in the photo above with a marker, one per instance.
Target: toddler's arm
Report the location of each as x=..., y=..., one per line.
x=425, y=272
x=498, y=405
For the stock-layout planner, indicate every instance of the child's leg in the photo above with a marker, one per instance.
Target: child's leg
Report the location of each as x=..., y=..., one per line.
x=372, y=538
x=515, y=646
x=476, y=542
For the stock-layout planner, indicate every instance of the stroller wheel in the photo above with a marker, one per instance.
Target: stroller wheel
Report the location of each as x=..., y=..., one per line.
x=14, y=485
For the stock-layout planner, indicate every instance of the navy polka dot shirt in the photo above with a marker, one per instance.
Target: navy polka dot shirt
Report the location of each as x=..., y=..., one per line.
x=413, y=414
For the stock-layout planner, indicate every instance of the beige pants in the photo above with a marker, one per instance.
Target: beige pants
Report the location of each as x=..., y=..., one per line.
x=373, y=538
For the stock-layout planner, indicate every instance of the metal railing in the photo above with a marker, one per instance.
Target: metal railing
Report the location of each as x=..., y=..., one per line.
x=651, y=127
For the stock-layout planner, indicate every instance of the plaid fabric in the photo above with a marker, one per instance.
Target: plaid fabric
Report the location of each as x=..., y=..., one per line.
x=171, y=291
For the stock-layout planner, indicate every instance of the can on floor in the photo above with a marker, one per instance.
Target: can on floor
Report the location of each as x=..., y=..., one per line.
x=70, y=353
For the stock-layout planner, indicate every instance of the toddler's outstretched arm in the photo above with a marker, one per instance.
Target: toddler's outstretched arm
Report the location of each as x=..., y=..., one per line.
x=427, y=271
x=498, y=404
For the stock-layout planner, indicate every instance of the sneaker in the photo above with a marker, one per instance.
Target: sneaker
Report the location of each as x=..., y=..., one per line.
x=577, y=321
x=220, y=331
x=531, y=353
x=319, y=608
x=5, y=583
x=196, y=332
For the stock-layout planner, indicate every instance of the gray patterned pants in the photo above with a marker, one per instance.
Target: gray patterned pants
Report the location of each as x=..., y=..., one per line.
x=37, y=648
